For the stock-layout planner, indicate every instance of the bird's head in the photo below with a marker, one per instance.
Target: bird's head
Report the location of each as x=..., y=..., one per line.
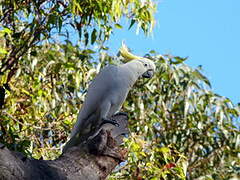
x=141, y=67
x=147, y=68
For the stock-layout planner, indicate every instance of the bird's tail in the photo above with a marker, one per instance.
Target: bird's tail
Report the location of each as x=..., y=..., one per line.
x=75, y=136
x=76, y=127
x=74, y=141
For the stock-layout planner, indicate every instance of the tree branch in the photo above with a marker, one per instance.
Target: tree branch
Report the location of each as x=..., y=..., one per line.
x=91, y=160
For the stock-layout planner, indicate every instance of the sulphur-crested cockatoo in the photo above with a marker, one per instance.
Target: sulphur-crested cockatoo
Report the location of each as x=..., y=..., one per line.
x=105, y=96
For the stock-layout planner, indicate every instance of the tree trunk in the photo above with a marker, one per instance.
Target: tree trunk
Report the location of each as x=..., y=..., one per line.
x=92, y=160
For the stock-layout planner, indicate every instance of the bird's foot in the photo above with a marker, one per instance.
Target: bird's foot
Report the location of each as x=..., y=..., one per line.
x=121, y=113
x=111, y=121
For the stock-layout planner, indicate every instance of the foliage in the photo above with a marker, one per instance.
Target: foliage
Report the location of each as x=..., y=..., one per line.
x=147, y=160
x=176, y=121
x=178, y=108
x=41, y=106
x=24, y=23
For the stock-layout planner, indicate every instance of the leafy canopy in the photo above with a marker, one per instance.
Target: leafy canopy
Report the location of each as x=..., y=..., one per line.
x=177, y=123
x=179, y=126
x=23, y=24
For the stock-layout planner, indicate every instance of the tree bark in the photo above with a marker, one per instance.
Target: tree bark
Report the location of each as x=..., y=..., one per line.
x=92, y=160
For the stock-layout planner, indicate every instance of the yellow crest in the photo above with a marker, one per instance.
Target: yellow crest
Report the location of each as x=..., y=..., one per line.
x=127, y=55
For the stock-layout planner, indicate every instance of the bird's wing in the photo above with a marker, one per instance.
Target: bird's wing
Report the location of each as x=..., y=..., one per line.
x=97, y=93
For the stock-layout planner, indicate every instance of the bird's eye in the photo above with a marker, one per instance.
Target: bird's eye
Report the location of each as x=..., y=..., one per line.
x=145, y=65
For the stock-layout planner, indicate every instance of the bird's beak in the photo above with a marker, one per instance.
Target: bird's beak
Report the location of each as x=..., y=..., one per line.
x=148, y=74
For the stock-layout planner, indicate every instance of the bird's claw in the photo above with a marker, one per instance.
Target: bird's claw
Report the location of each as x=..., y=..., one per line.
x=121, y=113
x=111, y=121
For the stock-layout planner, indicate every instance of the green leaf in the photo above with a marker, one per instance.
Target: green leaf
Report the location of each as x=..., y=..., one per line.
x=118, y=26
x=200, y=76
x=3, y=51
x=86, y=36
x=178, y=60
x=6, y=30
x=93, y=36
x=132, y=23
x=60, y=22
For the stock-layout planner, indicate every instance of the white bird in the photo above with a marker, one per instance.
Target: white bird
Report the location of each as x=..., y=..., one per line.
x=105, y=96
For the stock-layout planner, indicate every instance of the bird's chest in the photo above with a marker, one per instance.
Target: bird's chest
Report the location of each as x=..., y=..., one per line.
x=117, y=100
x=119, y=96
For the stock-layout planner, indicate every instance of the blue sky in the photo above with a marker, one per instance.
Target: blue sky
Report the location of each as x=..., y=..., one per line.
x=207, y=31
